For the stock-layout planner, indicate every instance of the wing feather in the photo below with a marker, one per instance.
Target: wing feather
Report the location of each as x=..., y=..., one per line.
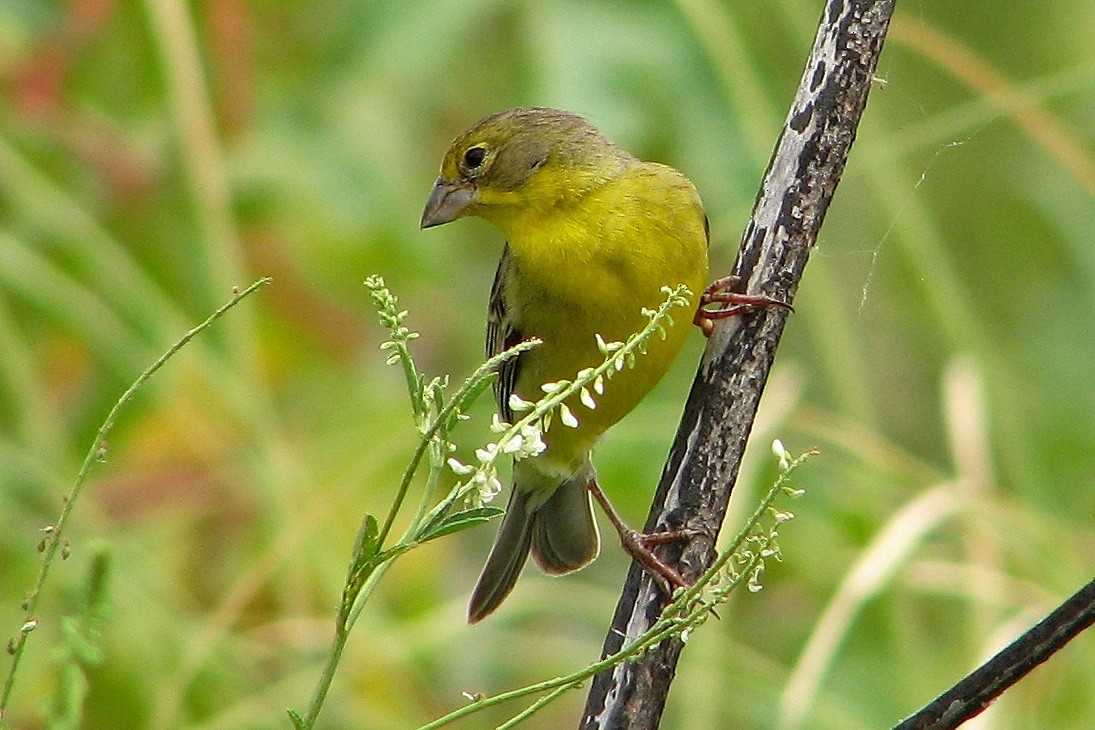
x=502, y=334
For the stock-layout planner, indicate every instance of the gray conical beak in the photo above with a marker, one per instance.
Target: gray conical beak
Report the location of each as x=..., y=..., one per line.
x=447, y=202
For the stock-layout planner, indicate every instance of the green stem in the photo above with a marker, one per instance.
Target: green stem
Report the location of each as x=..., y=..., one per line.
x=54, y=537
x=536, y=706
x=328, y=675
x=414, y=383
x=437, y=461
x=342, y=634
x=435, y=436
x=458, y=402
x=655, y=634
x=404, y=485
x=724, y=557
x=407, y=541
x=682, y=614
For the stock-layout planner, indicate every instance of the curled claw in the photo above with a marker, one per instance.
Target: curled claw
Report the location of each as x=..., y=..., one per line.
x=728, y=303
x=638, y=544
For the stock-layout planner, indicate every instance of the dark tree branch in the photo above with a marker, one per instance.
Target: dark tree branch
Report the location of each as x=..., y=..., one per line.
x=703, y=462
x=977, y=691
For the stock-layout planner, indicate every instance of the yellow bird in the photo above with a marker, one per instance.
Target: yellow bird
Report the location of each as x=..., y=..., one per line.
x=593, y=234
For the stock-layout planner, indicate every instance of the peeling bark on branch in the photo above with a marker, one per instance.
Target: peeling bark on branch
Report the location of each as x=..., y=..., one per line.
x=703, y=462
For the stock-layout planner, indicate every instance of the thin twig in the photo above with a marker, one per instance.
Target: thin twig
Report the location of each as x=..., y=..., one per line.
x=53, y=538
x=977, y=691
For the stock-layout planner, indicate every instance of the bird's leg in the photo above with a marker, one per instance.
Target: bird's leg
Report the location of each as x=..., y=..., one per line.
x=732, y=303
x=638, y=544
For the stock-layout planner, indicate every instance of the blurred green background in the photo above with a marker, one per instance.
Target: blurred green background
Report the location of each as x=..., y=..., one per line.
x=155, y=154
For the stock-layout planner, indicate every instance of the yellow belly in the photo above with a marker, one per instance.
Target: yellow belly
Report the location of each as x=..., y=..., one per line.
x=591, y=272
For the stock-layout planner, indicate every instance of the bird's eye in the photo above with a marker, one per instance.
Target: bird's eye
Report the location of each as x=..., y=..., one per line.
x=473, y=158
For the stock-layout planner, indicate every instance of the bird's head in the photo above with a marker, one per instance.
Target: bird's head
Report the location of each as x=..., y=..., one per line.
x=521, y=163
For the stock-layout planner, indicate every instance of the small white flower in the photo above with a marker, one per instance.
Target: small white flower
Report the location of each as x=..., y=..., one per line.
x=754, y=580
x=488, y=487
x=607, y=347
x=781, y=453
x=487, y=453
x=567, y=417
x=497, y=425
x=518, y=404
x=533, y=442
x=459, y=467
x=587, y=399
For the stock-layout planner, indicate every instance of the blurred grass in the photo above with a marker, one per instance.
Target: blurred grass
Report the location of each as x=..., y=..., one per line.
x=942, y=341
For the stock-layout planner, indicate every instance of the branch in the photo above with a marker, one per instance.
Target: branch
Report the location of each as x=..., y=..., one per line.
x=977, y=691
x=703, y=462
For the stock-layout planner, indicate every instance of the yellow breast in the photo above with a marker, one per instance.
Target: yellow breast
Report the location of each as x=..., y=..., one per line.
x=589, y=268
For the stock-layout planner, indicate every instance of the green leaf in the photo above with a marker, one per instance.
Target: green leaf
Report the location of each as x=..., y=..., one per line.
x=477, y=389
x=362, y=563
x=464, y=400
x=462, y=520
x=366, y=546
x=440, y=512
x=296, y=719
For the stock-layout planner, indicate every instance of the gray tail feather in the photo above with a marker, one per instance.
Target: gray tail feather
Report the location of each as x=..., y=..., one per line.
x=507, y=557
x=564, y=533
x=561, y=533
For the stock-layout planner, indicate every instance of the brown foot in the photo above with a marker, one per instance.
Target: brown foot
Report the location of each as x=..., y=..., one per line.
x=730, y=302
x=638, y=544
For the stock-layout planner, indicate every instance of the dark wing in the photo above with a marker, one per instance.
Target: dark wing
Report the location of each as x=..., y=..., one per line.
x=502, y=334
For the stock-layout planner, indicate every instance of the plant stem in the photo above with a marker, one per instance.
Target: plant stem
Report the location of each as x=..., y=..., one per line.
x=537, y=706
x=404, y=485
x=53, y=540
x=434, y=439
x=682, y=614
x=457, y=402
x=341, y=635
